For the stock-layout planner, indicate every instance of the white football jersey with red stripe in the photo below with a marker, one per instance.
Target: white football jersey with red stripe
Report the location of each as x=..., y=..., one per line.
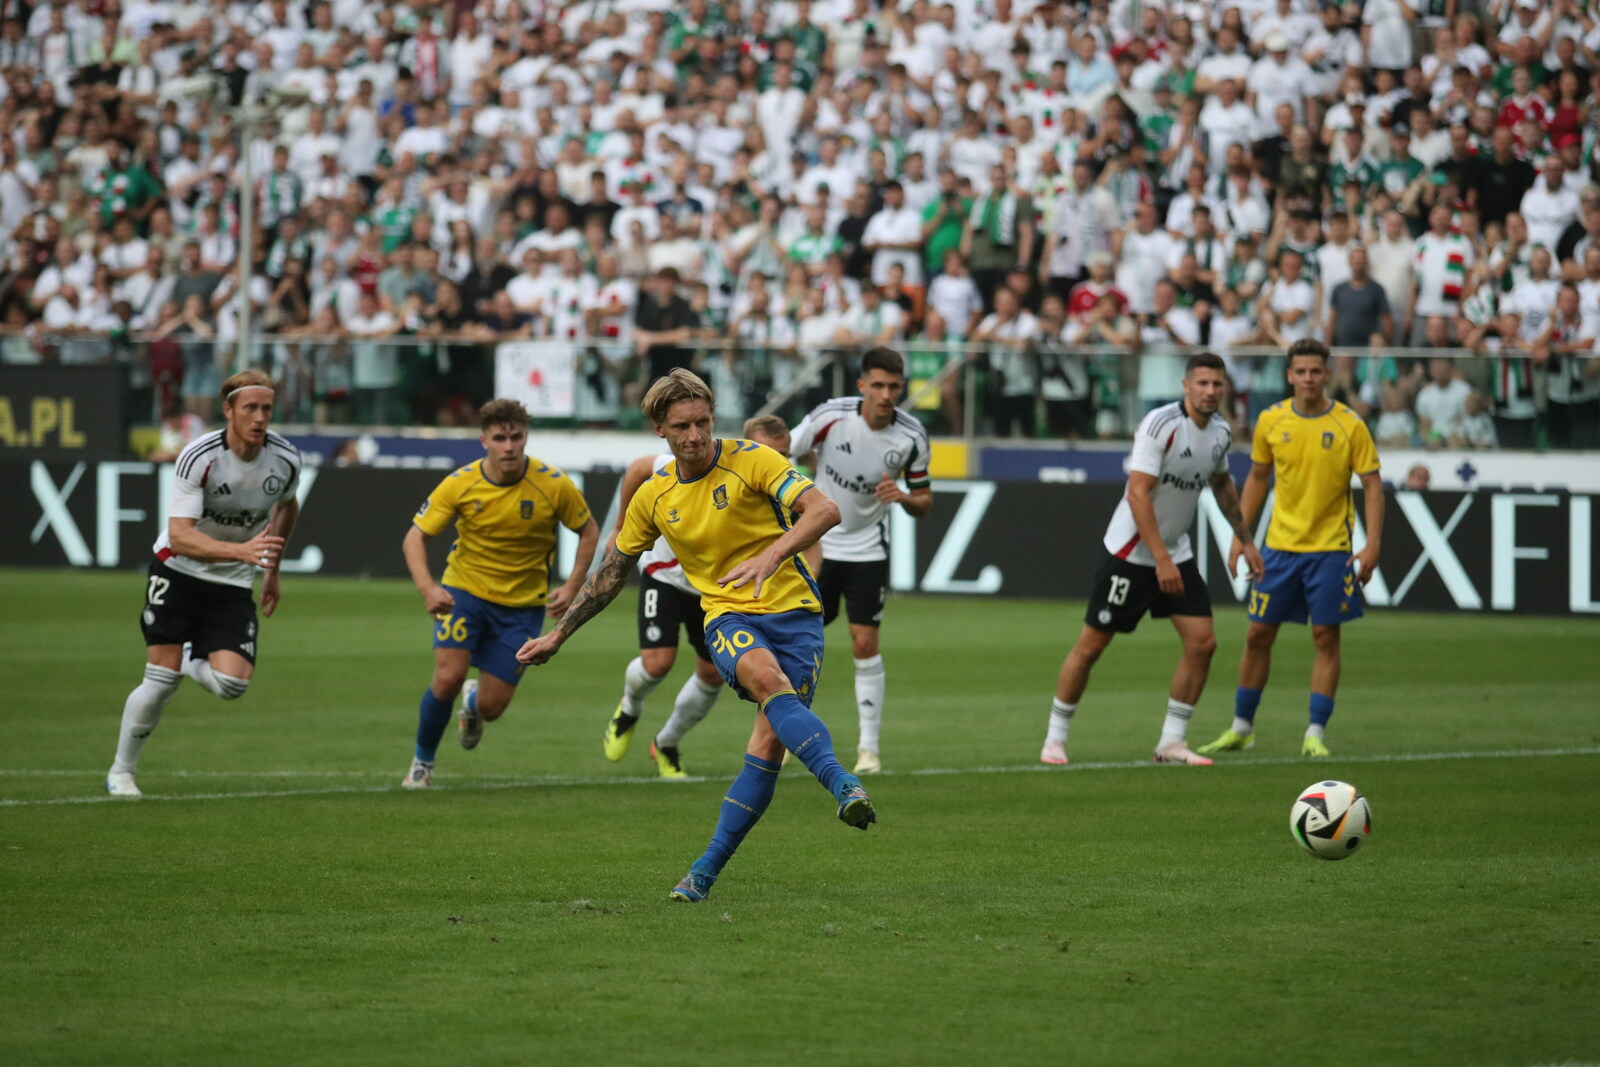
x=1182, y=457
x=661, y=563
x=852, y=458
x=229, y=499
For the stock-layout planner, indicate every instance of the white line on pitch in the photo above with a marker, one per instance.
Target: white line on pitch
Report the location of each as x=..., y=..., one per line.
x=489, y=782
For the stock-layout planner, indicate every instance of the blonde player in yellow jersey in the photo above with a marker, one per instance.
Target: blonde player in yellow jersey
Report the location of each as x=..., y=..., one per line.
x=1313, y=445
x=496, y=586
x=738, y=518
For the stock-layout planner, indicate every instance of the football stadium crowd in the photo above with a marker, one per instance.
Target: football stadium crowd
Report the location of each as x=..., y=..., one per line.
x=1031, y=189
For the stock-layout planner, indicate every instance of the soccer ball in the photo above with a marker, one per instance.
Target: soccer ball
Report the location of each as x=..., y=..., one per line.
x=1330, y=819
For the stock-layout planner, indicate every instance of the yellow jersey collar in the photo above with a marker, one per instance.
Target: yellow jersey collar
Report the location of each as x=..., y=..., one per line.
x=716, y=457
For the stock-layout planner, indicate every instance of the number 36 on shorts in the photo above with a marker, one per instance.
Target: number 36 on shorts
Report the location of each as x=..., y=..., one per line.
x=452, y=628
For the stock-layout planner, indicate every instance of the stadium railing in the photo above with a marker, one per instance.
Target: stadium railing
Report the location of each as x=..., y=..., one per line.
x=972, y=391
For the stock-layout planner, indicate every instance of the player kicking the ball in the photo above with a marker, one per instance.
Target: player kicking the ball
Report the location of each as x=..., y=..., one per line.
x=1313, y=444
x=667, y=602
x=233, y=507
x=506, y=508
x=1149, y=566
x=863, y=446
x=737, y=517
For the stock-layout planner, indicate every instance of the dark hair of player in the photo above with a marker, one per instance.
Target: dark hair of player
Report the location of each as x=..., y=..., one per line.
x=675, y=386
x=1308, y=346
x=765, y=425
x=503, y=413
x=884, y=359
x=1208, y=360
x=245, y=379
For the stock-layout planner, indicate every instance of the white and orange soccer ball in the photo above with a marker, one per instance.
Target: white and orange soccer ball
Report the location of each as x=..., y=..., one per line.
x=1330, y=819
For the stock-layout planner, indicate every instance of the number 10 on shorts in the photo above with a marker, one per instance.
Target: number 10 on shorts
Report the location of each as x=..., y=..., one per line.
x=722, y=646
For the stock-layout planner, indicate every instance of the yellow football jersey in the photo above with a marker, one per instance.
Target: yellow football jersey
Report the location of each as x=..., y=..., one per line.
x=505, y=534
x=715, y=522
x=1313, y=458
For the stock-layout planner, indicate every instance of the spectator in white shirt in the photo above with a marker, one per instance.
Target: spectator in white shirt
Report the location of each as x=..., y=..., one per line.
x=955, y=296
x=894, y=235
x=1142, y=252
x=1441, y=404
x=1550, y=206
x=1289, y=308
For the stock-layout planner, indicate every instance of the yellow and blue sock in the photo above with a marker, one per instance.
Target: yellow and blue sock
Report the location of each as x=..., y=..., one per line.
x=802, y=733
x=1245, y=703
x=746, y=799
x=432, y=718
x=1321, y=712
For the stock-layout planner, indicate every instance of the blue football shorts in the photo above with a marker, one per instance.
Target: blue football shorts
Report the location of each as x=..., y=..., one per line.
x=793, y=637
x=493, y=632
x=1321, y=585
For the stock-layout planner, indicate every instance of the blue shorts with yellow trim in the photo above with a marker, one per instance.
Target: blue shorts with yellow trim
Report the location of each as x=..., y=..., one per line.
x=1321, y=585
x=793, y=637
x=493, y=632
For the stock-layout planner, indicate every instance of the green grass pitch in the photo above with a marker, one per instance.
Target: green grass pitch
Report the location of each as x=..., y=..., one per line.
x=279, y=900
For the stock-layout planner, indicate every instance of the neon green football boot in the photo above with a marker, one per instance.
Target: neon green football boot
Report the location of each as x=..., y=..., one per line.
x=619, y=734
x=1228, y=742
x=1313, y=747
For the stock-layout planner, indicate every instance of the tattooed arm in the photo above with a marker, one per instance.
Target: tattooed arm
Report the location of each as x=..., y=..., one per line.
x=599, y=589
x=1227, y=497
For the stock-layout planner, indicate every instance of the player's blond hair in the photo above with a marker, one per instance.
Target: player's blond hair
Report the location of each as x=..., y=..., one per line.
x=503, y=413
x=245, y=379
x=674, y=387
x=765, y=425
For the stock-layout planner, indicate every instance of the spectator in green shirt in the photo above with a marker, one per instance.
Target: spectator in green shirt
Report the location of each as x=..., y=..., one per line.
x=943, y=219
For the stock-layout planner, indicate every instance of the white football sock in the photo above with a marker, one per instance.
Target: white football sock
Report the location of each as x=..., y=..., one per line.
x=1243, y=727
x=1314, y=731
x=1060, y=721
x=869, y=699
x=141, y=713
x=637, y=683
x=1176, y=726
x=693, y=704
x=225, y=686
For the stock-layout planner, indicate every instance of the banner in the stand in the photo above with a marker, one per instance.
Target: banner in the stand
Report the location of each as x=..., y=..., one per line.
x=541, y=374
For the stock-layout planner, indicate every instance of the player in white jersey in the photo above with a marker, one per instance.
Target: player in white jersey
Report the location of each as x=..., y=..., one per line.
x=863, y=446
x=666, y=602
x=1178, y=450
x=233, y=507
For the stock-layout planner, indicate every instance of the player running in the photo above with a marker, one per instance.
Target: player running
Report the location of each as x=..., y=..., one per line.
x=725, y=508
x=863, y=445
x=1149, y=566
x=506, y=508
x=666, y=602
x=233, y=506
x=1313, y=444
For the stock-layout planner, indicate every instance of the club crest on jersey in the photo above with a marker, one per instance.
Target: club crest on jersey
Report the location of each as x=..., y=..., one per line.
x=1218, y=450
x=719, y=496
x=1327, y=439
x=273, y=485
x=672, y=514
x=527, y=508
x=892, y=459
x=1286, y=437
